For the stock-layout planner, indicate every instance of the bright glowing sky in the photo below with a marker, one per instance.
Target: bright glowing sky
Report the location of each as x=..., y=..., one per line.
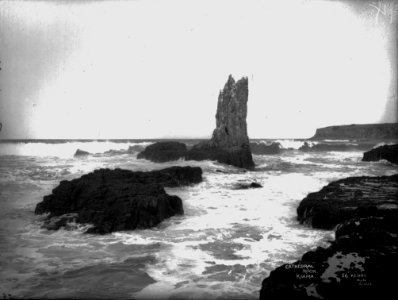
x=153, y=69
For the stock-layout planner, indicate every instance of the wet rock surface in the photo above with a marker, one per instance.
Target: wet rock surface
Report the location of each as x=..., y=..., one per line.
x=114, y=200
x=81, y=153
x=349, y=198
x=261, y=148
x=387, y=152
x=66, y=220
x=164, y=151
x=362, y=261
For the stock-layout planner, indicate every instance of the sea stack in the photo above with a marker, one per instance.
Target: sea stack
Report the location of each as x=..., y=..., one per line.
x=229, y=143
x=231, y=128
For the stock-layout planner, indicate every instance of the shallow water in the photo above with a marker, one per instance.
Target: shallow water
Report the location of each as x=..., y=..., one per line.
x=224, y=245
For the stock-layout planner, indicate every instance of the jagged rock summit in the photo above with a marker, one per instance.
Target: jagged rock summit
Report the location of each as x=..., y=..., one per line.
x=231, y=128
x=229, y=143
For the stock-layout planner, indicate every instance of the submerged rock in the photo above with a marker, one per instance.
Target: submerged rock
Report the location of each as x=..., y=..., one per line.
x=135, y=148
x=56, y=222
x=348, y=198
x=164, y=151
x=81, y=153
x=362, y=261
x=387, y=152
x=131, y=150
x=261, y=148
x=245, y=186
x=114, y=200
x=229, y=143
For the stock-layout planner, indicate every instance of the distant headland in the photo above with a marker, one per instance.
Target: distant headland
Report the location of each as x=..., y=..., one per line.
x=358, y=132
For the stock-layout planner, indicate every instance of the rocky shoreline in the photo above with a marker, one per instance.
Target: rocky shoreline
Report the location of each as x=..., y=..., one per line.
x=362, y=261
x=363, y=210
x=387, y=152
x=349, y=198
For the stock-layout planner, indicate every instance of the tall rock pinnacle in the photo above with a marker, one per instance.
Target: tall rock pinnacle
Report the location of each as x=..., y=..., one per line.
x=231, y=128
x=229, y=143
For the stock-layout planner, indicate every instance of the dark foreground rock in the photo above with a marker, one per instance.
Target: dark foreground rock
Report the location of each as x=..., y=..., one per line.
x=114, y=200
x=80, y=153
x=263, y=149
x=387, y=152
x=164, y=151
x=362, y=261
x=349, y=198
x=229, y=143
x=360, y=264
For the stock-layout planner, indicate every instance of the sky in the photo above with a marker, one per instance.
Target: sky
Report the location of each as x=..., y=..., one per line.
x=154, y=69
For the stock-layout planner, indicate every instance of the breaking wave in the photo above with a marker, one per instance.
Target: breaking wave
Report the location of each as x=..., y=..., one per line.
x=225, y=244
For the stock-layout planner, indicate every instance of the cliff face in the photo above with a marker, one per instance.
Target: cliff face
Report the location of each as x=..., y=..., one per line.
x=229, y=143
x=365, y=131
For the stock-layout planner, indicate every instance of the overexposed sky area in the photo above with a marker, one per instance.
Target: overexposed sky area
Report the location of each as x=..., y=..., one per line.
x=153, y=69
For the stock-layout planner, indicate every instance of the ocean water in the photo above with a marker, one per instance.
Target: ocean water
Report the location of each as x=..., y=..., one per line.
x=224, y=245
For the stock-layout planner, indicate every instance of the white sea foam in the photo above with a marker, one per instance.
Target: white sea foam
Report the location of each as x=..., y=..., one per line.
x=224, y=245
x=63, y=150
x=294, y=144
